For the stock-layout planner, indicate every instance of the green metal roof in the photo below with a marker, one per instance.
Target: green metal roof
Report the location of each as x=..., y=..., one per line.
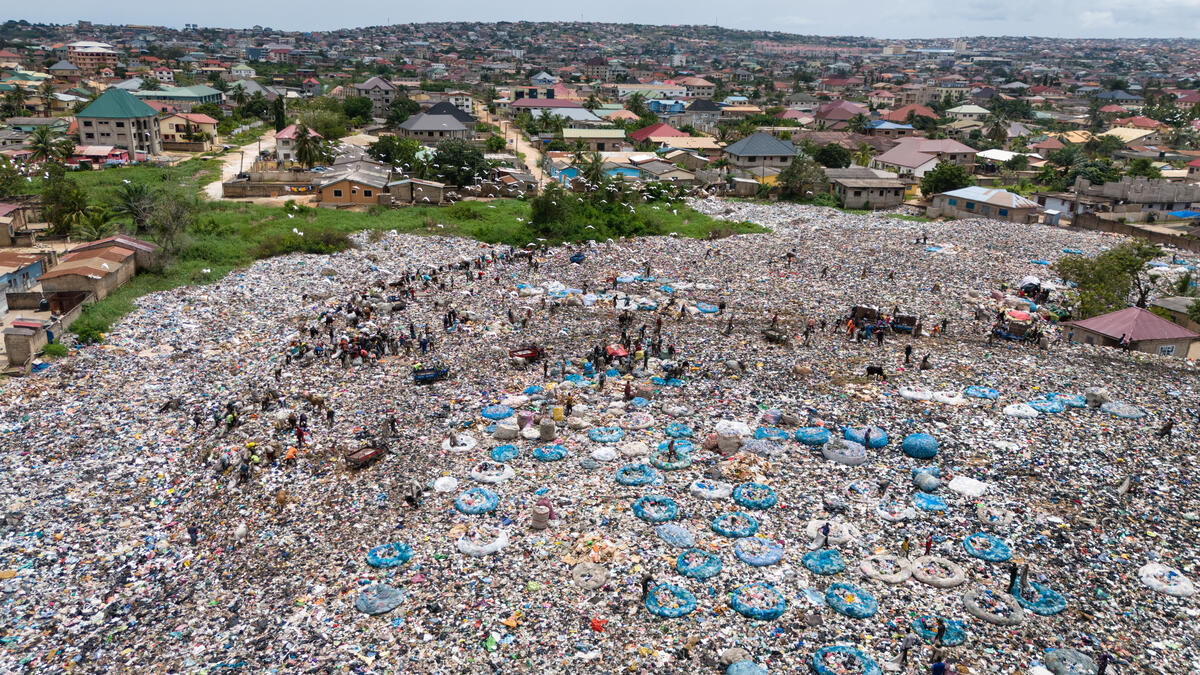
x=117, y=104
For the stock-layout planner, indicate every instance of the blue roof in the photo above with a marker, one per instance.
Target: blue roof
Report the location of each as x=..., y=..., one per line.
x=1183, y=214
x=884, y=124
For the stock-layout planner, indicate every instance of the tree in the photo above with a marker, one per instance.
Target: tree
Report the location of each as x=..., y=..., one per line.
x=459, y=162
x=14, y=101
x=1141, y=166
x=151, y=84
x=358, y=108
x=1111, y=280
x=96, y=223
x=328, y=124
x=11, y=180
x=592, y=171
x=395, y=151
x=1103, y=146
x=833, y=156
x=1194, y=311
x=858, y=123
x=591, y=103
x=174, y=214
x=63, y=202
x=802, y=179
x=278, y=113
x=637, y=105
x=998, y=131
x=239, y=97
x=46, y=146
x=308, y=147
x=862, y=156
x=136, y=201
x=494, y=144
x=46, y=92
x=1017, y=163
x=400, y=109
x=944, y=177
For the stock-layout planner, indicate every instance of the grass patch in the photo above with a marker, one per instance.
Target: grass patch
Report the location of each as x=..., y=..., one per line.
x=905, y=216
x=55, y=350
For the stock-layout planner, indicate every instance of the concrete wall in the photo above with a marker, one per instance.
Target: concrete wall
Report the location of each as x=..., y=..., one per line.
x=244, y=189
x=1091, y=221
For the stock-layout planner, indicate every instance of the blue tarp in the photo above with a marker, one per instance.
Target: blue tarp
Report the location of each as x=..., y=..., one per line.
x=977, y=391
x=850, y=600
x=735, y=524
x=707, y=308
x=838, y=654
x=698, y=564
x=926, y=627
x=635, y=474
x=1042, y=599
x=758, y=551
x=1047, y=405
x=987, y=547
x=771, y=433
x=825, y=562
x=675, y=535
x=758, y=601
x=662, y=508
x=378, y=599
x=549, y=453
x=606, y=434
x=1184, y=214
x=754, y=496
x=477, y=500
x=682, y=446
x=497, y=412
x=389, y=555
x=505, y=453
x=670, y=601
x=813, y=435
x=929, y=502
x=745, y=668
x=879, y=437
x=678, y=430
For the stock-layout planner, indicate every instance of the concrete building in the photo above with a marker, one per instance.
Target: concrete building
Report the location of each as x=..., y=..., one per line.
x=119, y=119
x=858, y=187
x=380, y=91
x=433, y=129
x=979, y=202
x=91, y=57
x=285, y=143
x=598, y=140
x=759, y=151
x=98, y=271
x=1149, y=195
x=354, y=183
x=915, y=155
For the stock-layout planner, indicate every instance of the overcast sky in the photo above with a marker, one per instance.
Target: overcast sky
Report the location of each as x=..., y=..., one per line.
x=891, y=19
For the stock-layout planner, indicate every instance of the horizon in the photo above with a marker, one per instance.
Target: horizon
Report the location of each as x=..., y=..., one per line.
x=918, y=20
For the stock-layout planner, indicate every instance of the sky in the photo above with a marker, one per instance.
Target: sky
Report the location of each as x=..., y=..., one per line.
x=884, y=19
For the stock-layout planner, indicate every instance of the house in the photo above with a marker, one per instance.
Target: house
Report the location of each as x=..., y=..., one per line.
x=118, y=118
x=655, y=131
x=192, y=132
x=312, y=87
x=701, y=114
x=18, y=273
x=448, y=108
x=242, y=71
x=915, y=155
x=1138, y=122
x=29, y=124
x=91, y=56
x=889, y=129
x=95, y=270
x=164, y=75
x=980, y=202
x=13, y=218
x=1138, y=194
x=968, y=111
x=688, y=160
x=145, y=254
x=858, y=187
x=901, y=114
x=759, y=150
x=881, y=98
x=597, y=140
x=697, y=87
x=1121, y=97
x=1176, y=307
x=835, y=114
x=1145, y=331
x=435, y=128
x=285, y=143
x=596, y=68
x=380, y=91
x=544, y=79
x=98, y=156
x=1135, y=136
x=183, y=98
x=354, y=183
x=9, y=59
x=621, y=114
x=416, y=191
x=65, y=71
x=666, y=106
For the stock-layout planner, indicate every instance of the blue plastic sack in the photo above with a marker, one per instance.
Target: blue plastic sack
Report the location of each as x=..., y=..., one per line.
x=378, y=599
x=879, y=437
x=679, y=537
x=1069, y=400
x=497, y=412
x=655, y=509
x=678, y=430
x=698, y=564
x=850, y=600
x=505, y=453
x=658, y=459
x=824, y=562
x=976, y=391
x=746, y=667
x=549, y=453
x=682, y=446
x=477, y=500
x=813, y=435
x=771, y=433
x=707, y=308
x=758, y=551
x=1047, y=405
x=920, y=446
x=986, y=547
x=934, y=471
x=635, y=474
x=670, y=601
x=927, y=502
x=534, y=389
x=754, y=496
x=838, y=654
x=926, y=627
x=1122, y=410
x=735, y=524
x=758, y=601
x=389, y=555
x=606, y=434
x=1043, y=600
x=639, y=402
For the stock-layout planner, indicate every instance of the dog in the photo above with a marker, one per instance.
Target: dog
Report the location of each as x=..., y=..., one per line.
x=876, y=371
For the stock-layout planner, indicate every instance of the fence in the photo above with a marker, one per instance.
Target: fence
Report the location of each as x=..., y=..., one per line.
x=1091, y=221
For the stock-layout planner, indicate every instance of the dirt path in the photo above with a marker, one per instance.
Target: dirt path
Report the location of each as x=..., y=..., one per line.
x=243, y=157
x=533, y=158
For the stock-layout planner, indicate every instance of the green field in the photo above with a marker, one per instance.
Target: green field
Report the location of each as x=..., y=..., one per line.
x=228, y=235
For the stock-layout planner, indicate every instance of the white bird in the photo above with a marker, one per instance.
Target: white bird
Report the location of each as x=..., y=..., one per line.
x=440, y=225
x=105, y=266
x=291, y=215
x=206, y=270
x=590, y=227
x=125, y=181
x=240, y=534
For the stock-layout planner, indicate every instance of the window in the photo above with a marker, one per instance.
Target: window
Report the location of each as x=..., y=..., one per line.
x=858, y=193
x=87, y=123
x=970, y=206
x=120, y=125
x=1166, y=350
x=89, y=136
x=366, y=193
x=337, y=193
x=1003, y=212
x=952, y=201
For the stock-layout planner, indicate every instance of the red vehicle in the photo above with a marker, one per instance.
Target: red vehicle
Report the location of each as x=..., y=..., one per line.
x=531, y=352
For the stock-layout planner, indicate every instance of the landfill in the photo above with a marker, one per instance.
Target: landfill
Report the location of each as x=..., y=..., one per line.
x=429, y=454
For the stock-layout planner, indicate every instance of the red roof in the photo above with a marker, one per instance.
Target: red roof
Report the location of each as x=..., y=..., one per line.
x=839, y=110
x=1138, y=122
x=289, y=132
x=196, y=118
x=1135, y=323
x=5, y=54
x=901, y=114
x=1114, y=108
x=1195, y=163
x=655, y=131
x=545, y=103
x=1048, y=144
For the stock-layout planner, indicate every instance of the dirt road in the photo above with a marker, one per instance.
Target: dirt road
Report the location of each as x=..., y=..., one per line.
x=244, y=157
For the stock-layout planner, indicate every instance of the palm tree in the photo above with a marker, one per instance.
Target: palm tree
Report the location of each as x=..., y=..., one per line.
x=94, y=223
x=591, y=103
x=997, y=131
x=593, y=171
x=14, y=100
x=862, y=156
x=46, y=92
x=134, y=200
x=45, y=146
x=239, y=96
x=858, y=123
x=308, y=152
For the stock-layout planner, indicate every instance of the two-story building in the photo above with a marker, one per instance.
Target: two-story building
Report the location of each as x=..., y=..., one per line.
x=380, y=91
x=118, y=118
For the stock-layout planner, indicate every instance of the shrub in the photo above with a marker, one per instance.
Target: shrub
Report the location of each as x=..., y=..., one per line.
x=55, y=350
